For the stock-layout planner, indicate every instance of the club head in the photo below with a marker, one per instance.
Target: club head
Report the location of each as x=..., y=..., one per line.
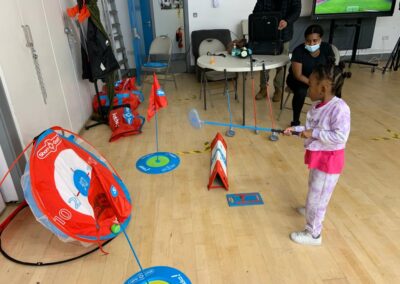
x=274, y=137
x=230, y=132
x=194, y=118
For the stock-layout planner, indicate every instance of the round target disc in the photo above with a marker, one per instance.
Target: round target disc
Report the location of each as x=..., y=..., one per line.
x=159, y=275
x=158, y=163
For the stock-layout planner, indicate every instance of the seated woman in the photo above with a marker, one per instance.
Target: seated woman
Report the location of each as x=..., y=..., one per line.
x=304, y=58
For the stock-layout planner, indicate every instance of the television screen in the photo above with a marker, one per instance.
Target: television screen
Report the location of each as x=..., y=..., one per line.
x=336, y=9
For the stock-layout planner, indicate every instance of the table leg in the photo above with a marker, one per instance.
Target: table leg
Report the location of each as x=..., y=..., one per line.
x=204, y=89
x=244, y=74
x=201, y=84
x=283, y=86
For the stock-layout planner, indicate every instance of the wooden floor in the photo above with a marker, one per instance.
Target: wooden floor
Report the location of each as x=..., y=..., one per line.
x=177, y=222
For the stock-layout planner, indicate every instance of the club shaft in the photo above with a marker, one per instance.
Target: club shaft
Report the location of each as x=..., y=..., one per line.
x=241, y=126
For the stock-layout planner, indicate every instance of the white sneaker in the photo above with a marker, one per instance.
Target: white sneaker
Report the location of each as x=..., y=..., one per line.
x=301, y=210
x=305, y=238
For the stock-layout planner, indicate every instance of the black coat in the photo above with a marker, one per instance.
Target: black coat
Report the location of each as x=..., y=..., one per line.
x=99, y=61
x=290, y=12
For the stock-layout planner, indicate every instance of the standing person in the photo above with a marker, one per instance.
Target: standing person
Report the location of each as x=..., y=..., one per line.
x=290, y=12
x=304, y=58
x=326, y=132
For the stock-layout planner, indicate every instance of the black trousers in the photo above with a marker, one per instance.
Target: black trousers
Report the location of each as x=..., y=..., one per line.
x=299, y=95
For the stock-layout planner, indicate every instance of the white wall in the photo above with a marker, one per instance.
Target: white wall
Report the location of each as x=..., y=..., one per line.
x=227, y=16
x=386, y=26
x=167, y=22
x=231, y=12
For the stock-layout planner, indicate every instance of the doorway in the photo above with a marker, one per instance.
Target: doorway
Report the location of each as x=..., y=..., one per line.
x=170, y=19
x=150, y=19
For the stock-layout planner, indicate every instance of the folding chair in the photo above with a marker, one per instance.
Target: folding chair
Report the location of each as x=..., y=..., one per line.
x=159, y=59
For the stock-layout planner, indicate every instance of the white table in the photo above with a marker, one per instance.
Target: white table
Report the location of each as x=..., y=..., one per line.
x=229, y=63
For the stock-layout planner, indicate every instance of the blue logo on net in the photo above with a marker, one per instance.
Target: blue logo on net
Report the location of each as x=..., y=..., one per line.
x=160, y=93
x=128, y=116
x=114, y=191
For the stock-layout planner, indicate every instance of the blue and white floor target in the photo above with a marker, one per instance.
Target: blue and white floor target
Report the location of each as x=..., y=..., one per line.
x=158, y=163
x=159, y=275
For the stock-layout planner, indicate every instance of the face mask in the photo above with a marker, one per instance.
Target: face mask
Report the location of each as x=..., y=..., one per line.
x=312, y=48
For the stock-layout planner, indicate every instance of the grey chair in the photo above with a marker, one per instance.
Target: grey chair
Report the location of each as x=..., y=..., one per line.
x=223, y=35
x=290, y=92
x=159, y=59
x=213, y=47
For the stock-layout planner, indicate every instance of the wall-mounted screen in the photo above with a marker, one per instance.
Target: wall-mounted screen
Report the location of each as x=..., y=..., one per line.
x=339, y=9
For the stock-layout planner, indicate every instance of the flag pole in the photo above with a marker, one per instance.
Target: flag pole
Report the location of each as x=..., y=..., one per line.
x=157, y=160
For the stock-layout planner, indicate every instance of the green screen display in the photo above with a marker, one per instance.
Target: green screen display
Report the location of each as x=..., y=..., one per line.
x=351, y=6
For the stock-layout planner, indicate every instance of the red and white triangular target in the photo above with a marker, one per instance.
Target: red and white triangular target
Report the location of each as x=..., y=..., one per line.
x=219, y=165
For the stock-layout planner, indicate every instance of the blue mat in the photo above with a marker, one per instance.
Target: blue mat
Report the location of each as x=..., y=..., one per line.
x=159, y=274
x=244, y=199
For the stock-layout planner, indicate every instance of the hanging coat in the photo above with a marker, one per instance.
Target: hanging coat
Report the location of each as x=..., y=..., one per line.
x=100, y=56
x=98, y=59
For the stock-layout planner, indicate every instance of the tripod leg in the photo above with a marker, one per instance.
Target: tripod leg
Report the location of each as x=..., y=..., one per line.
x=396, y=66
x=392, y=57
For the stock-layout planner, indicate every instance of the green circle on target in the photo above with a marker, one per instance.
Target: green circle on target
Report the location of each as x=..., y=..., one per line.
x=157, y=161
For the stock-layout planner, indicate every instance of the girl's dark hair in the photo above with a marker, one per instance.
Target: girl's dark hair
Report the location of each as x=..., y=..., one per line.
x=334, y=73
x=314, y=29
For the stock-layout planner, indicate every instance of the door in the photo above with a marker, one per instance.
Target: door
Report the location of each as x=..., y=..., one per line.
x=66, y=53
x=32, y=14
x=18, y=76
x=137, y=36
x=39, y=79
x=147, y=25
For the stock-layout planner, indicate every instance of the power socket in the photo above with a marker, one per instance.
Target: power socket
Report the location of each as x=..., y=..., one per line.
x=385, y=37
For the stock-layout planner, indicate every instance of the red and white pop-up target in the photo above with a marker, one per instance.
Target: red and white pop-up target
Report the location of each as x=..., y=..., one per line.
x=219, y=165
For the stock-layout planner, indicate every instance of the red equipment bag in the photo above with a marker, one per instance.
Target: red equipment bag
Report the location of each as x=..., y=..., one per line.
x=124, y=122
x=127, y=93
x=131, y=98
x=104, y=101
x=124, y=85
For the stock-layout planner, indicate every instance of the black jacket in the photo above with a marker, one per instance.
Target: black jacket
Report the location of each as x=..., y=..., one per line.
x=100, y=57
x=290, y=12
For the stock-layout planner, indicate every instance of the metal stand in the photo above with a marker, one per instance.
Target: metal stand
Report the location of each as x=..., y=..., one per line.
x=353, y=59
x=230, y=132
x=273, y=136
x=394, y=58
x=101, y=111
x=253, y=95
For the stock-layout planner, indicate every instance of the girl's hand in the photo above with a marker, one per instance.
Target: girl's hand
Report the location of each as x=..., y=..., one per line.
x=306, y=133
x=288, y=131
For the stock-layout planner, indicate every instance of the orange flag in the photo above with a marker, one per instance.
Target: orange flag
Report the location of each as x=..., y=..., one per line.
x=157, y=99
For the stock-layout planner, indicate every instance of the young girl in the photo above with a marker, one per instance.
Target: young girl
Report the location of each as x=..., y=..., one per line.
x=326, y=132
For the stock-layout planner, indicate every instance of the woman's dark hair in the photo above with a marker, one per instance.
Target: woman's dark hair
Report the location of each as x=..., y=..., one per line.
x=334, y=73
x=314, y=29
